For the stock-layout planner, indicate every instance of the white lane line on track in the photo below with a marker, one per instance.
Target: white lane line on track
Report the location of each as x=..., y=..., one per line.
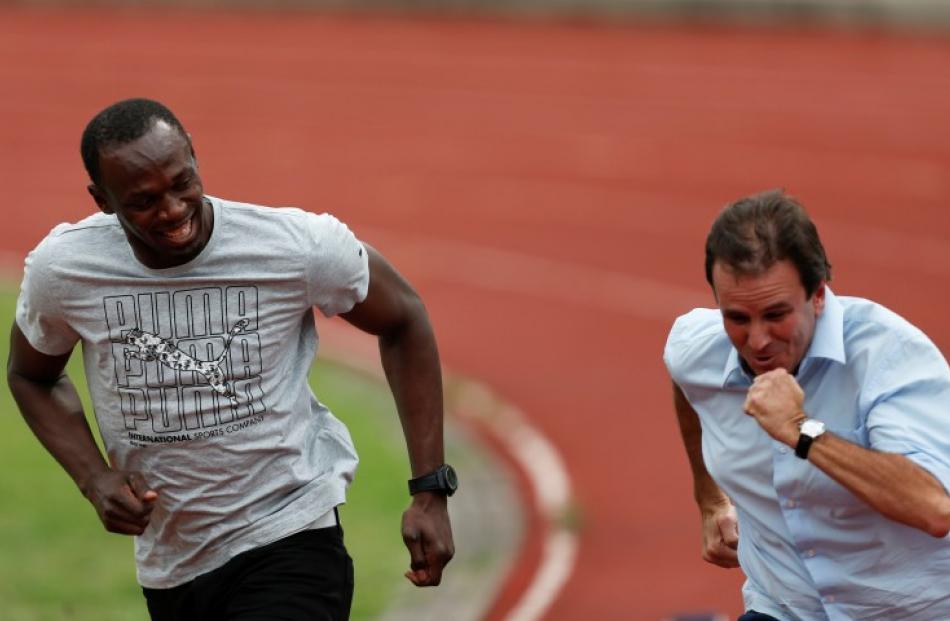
x=560, y=553
x=542, y=462
x=545, y=469
x=525, y=274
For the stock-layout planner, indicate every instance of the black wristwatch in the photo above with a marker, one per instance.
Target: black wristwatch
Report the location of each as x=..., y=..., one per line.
x=442, y=480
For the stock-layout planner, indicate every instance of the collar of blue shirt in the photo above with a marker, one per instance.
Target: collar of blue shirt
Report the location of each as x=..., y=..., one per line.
x=827, y=343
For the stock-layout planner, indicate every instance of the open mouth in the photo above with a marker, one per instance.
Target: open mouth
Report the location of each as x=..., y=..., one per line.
x=765, y=363
x=181, y=233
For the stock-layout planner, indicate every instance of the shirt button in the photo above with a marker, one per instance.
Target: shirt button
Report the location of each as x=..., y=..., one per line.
x=783, y=450
x=791, y=504
x=811, y=553
x=830, y=599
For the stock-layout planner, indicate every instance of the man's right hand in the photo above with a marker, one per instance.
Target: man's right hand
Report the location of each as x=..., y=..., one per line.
x=123, y=500
x=720, y=535
x=427, y=533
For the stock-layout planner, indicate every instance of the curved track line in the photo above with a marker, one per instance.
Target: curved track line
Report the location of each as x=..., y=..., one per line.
x=560, y=553
x=540, y=460
x=534, y=455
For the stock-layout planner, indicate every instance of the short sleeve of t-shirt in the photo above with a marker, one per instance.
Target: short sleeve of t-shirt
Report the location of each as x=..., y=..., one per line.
x=38, y=313
x=338, y=265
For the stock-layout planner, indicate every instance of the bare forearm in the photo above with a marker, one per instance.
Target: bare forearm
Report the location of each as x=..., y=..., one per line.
x=891, y=484
x=718, y=516
x=410, y=358
x=55, y=415
x=705, y=490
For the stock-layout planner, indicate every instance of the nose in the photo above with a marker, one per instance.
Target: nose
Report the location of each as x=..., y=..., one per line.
x=759, y=337
x=172, y=208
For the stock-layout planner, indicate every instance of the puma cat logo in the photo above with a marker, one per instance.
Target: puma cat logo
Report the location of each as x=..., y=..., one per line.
x=152, y=347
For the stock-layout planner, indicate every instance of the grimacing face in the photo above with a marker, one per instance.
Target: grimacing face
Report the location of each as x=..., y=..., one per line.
x=152, y=186
x=768, y=316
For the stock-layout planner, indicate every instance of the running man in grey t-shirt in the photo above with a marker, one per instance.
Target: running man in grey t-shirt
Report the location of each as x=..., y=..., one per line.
x=196, y=323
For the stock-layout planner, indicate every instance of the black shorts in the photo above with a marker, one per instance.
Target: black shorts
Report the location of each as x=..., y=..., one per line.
x=307, y=576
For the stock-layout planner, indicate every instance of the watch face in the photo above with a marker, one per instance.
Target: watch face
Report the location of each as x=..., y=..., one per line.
x=813, y=428
x=451, y=478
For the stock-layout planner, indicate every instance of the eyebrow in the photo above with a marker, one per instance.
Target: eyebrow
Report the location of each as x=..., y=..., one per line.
x=138, y=195
x=774, y=308
x=187, y=171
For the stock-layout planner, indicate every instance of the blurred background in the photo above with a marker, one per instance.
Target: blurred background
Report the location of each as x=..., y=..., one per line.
x=544, y=172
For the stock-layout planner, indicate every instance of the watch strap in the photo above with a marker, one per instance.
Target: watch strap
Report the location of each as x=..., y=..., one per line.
x=804, y=444
x=440, y=480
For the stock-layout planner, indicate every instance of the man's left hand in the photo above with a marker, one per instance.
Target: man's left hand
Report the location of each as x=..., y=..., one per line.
x=427, y=534
x=775, y=400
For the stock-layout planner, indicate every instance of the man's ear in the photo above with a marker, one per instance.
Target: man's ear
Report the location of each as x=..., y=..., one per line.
x=818, y=298
x=99, y=196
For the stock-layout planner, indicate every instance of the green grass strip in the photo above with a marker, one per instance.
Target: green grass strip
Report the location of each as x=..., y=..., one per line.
x=57, y=563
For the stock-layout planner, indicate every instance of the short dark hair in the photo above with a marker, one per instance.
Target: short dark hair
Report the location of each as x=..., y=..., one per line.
x=119, y=124
x=753, y=233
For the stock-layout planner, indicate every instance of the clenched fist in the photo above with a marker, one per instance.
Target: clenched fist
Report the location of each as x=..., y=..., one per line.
x=775, y=401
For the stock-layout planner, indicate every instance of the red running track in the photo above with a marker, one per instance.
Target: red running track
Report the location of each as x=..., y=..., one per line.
x=547, y=187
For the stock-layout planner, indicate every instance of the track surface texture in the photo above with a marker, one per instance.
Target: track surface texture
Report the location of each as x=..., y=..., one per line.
x=546, y=186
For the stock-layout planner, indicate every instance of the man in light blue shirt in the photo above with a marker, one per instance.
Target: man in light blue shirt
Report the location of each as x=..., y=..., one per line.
x=817, y=428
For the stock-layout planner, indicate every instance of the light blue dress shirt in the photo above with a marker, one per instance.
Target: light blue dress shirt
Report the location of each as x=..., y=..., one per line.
x=809, y=548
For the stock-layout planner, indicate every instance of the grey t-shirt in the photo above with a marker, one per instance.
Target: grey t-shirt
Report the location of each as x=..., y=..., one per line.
x=198, y=373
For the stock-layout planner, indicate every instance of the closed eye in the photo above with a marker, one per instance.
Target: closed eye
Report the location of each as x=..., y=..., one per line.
x=141, y=202
x=736, y=318
x=776, y=314
x=183, y=182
